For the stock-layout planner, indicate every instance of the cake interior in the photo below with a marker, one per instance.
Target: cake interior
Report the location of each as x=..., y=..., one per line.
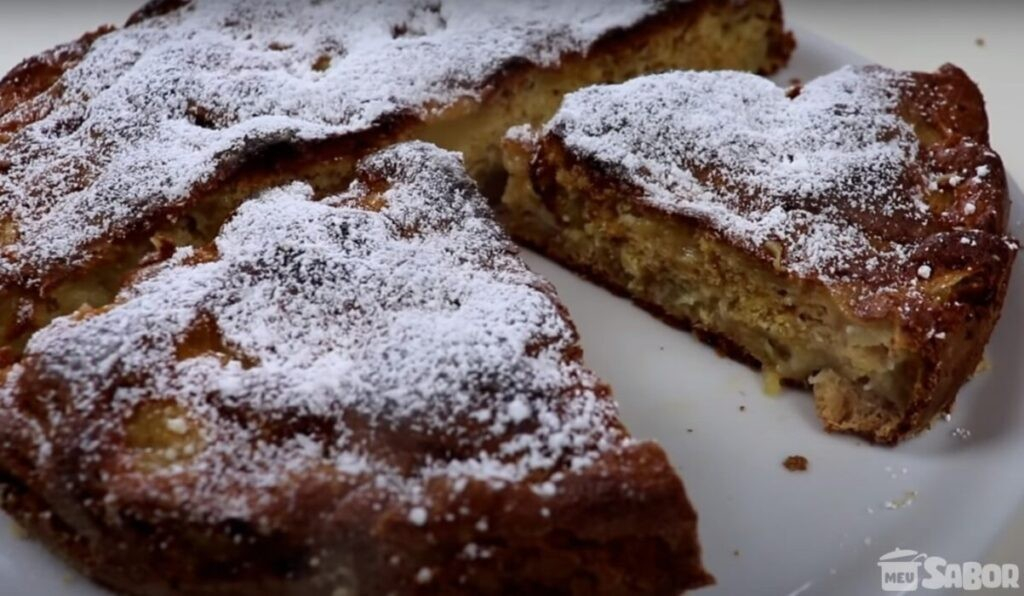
x=721, y=36
x=795, y=331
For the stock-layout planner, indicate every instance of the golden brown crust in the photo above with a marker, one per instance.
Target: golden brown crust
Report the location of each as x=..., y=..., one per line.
x=35, y=75
x=155, y=8
x=599, y=541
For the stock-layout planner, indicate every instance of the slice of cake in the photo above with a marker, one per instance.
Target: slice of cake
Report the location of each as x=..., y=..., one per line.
x=367, y=393
x=152, y=134
x=848, y=234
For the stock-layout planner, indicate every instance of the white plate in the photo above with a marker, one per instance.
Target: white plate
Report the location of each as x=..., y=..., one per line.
x=820, y=532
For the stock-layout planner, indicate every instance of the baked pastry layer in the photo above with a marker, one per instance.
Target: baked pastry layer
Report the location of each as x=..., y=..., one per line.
x=152, y=134
x=367, y=393
x=848, y=234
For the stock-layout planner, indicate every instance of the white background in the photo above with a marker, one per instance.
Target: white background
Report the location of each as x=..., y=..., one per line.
x=905, y=34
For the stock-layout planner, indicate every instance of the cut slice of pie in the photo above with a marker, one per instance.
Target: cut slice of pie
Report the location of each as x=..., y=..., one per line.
x=367, y=393
x=848, y=234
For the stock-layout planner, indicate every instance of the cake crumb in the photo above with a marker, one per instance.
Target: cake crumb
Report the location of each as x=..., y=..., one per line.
x=905, y=501
x=902, y=502
x=961, y=433
x=795, y=463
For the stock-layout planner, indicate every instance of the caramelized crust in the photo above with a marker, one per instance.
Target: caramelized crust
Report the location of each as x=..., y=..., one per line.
x=871, y=265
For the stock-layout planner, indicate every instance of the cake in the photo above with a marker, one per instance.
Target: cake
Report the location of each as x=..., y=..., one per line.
x=364, y=393
x=254, y=338
x=848, y=234
x=152, y=134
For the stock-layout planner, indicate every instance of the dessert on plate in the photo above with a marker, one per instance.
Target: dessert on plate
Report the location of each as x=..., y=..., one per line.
x=364, y=393
x=253, y=342
x=848, y=234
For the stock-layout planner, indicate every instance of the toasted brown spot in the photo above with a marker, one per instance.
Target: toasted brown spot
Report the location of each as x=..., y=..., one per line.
x=322, y=63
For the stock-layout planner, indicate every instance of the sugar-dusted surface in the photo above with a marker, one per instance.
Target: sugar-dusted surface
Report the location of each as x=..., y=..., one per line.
x=155, y=108
x=381, y=349
x=834, y=176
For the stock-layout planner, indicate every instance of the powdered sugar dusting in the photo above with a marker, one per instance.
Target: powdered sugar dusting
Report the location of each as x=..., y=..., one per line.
x=346, y=333
x=154, y=109
x=735, y=151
